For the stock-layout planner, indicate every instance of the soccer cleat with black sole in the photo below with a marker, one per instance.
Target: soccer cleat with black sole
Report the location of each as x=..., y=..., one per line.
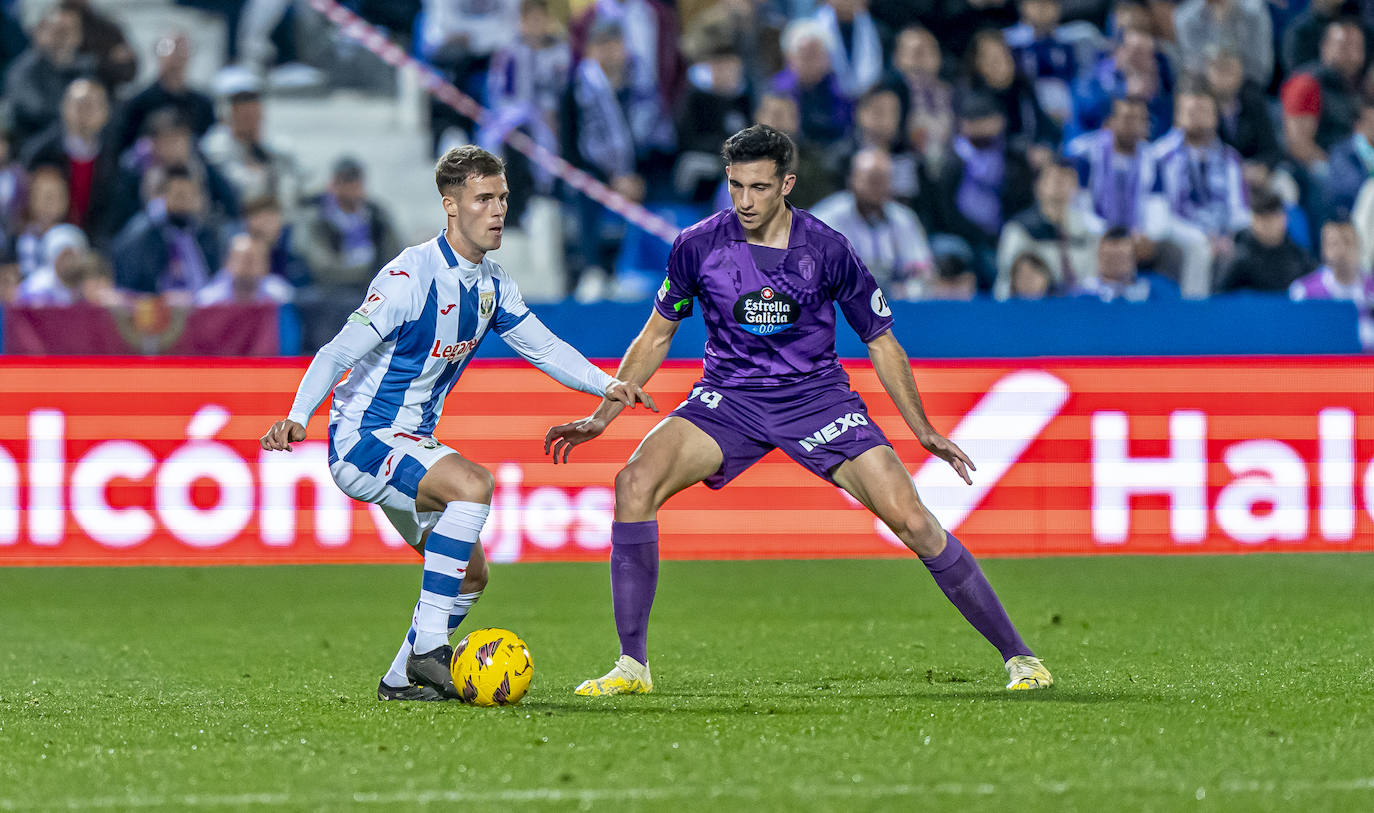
x=433, y=670
x=411, y=692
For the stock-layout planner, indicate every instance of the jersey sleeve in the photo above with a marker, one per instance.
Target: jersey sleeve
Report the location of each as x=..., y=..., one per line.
x=511, y=309
x=674, y=299
x=392, y=299
x=860, y=299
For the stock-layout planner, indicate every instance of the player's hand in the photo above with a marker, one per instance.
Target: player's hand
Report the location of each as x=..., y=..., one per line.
x=945, y=449
x=629, y=394
x=561, y=439
x=282, y=434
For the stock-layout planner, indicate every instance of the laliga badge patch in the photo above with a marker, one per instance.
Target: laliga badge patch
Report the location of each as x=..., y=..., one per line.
x=373, y=302
x=486, y=303
x=429, y=443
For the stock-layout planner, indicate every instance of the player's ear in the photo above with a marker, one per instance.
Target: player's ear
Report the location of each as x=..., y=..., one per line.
x=450, y=205
x=788, y=181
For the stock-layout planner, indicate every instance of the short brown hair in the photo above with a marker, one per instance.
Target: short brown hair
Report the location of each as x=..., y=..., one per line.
x=460, y=163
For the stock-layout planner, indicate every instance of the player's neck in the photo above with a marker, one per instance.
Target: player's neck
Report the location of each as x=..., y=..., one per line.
x=462, y=248
x=776, y=233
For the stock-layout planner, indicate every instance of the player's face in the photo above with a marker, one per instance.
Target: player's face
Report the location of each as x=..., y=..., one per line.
x=477, y=214
x=757, y=192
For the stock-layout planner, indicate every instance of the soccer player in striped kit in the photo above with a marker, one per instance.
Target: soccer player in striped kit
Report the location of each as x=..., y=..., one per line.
x=415, y=332
x=768, y=278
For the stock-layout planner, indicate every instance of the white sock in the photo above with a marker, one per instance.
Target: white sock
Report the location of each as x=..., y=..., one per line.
x=447, y=551
x=461, y=607
x=396, y=676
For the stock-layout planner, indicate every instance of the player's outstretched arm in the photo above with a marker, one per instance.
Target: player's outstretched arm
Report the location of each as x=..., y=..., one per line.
x=894, y=371
x=334, y=359
x=643, y=358
x=561, y=362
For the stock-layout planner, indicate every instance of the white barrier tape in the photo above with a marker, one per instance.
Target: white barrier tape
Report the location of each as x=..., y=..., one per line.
x=369, y=37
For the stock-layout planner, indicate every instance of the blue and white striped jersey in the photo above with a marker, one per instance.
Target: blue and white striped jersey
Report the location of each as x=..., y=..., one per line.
x=431, y=308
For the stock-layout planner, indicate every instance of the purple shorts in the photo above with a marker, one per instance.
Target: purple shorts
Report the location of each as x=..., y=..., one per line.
x=820, y=427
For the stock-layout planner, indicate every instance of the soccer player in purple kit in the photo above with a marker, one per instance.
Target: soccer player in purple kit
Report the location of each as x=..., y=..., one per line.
x=765, y=275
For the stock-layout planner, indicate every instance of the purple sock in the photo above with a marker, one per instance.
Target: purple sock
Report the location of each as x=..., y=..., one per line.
x=967, y=589
x=634, y=579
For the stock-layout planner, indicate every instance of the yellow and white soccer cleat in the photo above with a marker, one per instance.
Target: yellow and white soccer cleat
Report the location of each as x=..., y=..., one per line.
x=1026, y=672
x=628, y=676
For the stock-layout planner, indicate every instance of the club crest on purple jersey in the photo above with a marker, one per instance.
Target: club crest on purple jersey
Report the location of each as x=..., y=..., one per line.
x=806, y=266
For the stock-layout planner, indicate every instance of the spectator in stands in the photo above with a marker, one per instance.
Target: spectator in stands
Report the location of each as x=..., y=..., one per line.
x=886, y=235
x=168, y=143
x=878, y=125
x=1320, y=101
x=826, y=112
x=13, y=41
x=79, y=145
x=525, y=82
x=752, y=29
x=460, y=38
x=992, y=70
x=1118, y=275
x=650, y=31
x=1196, y=196
x=1341, y=277
x=715, y=106
x=1266, y=258
x=244, y=279
x=813, y=179
x=47, y=205
x=1031, y=278
x=1061, y=231
x=168, y=247
x=1352, y=162
x=952, y=281
x=262, y=218
x=344, y=237
x=9, y=283
x=168, y=90
x=1302, y=40
x=11, y=188
x=59, y=281
x=856, y=43
x=1110, y=162
x=1244, y=121
x=1242, y=26
x=36, y=81
x=1135, y=67
x=237, y=149
x=927, y=99
x=103, y=41
x=617, y=130
x=957, y=21
x=985, y=181
x=533, y=70
x=1044, y=57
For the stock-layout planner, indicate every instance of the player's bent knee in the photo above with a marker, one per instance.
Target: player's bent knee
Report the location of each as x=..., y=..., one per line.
x=635, y=489
x=921, y=532
x=465, y=482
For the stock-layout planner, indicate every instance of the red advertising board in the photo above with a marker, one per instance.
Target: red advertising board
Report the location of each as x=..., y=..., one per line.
x=120, y=461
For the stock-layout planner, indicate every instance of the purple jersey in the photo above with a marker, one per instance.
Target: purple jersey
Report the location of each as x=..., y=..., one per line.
x=770, y=326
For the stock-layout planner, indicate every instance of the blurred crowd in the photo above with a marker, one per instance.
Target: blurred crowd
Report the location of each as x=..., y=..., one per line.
x=1022, y=149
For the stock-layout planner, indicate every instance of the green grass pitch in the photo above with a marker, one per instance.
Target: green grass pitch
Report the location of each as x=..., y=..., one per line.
x=1187, y=683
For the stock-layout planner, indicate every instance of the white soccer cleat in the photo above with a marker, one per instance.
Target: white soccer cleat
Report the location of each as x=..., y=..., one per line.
x=1026, y=672
x=628, y=676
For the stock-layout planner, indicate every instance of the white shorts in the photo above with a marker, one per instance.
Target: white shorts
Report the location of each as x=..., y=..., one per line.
x=385, y=467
